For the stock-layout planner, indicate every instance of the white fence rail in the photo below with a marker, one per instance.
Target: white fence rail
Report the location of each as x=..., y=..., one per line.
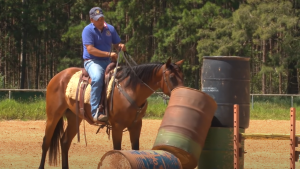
x=252, y=99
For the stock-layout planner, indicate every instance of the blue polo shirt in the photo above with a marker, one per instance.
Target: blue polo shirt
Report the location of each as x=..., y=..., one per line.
x=101, y=40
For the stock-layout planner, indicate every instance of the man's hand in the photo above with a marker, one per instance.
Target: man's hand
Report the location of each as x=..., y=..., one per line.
x=122, y=47
x=113, y=56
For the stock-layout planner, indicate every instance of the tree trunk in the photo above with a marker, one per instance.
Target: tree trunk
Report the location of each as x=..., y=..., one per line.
x=292, y=86
x=280, y=83
x=28, y=72
x=126, y=24
x=280, y=62
x=263, y=63
x=257, y=64
x=270, y=85
x=23, y=53
x=3, y=55
x=23, y=67
x=37, y=66
x=51, y=60
x=197, y=74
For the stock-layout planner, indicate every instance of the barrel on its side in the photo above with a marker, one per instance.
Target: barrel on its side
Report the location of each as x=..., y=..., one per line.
x=185, y=124
x=218, y=149
x=133, y=159
x=227, y=80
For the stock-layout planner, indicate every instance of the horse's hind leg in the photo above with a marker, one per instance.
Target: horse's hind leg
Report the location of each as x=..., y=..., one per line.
x=134, y=132
x=68, y=136
x=53, y=131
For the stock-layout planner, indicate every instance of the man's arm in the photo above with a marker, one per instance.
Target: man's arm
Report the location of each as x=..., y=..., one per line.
x=96, y=52
x=88, y=41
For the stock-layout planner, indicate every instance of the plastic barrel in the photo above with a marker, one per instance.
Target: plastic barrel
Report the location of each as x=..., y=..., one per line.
x=133, y=159
x=227, y=80
x=218, y=151
x=185, y=124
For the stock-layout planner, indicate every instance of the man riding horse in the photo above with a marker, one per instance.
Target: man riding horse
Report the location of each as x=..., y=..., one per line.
x=97, y=39
x=133, y=85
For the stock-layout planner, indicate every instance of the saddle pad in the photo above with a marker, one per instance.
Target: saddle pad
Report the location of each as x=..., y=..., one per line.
x=72, y=88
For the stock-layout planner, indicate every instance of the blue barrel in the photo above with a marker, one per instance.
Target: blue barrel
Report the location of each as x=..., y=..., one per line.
x=133, y=159
x=227, y=80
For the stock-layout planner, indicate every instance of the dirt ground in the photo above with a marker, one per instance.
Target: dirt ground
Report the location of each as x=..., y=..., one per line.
x=20, y=145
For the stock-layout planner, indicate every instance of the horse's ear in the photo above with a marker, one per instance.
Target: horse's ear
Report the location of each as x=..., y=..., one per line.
x=179, y=63
x=168, y=62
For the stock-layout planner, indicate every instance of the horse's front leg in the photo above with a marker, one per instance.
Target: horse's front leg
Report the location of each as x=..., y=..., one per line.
x=117, y=133
x=135, y=132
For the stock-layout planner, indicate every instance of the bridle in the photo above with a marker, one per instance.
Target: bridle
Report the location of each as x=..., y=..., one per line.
x=164, y=76
x=165, y=79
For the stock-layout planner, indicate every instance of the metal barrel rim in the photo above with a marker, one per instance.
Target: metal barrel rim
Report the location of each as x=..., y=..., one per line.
x=227, y=58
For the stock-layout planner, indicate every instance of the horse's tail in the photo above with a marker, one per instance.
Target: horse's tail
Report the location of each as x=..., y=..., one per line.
x=54, y=145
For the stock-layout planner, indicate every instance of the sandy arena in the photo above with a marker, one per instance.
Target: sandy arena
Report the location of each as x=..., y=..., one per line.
x=20, y=145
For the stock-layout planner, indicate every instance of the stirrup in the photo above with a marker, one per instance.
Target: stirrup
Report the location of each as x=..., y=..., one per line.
x=103, y=119
x=96, y=118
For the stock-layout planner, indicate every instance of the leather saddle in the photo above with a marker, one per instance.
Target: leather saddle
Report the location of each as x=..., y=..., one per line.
x=84, y=80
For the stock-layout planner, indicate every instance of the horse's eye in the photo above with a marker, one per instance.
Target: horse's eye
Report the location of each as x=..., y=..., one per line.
x=171, y=75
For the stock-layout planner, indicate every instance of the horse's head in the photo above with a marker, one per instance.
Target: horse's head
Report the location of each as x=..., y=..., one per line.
x=172, y=76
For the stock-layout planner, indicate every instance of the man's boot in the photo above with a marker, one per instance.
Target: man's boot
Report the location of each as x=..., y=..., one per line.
x=102, y=117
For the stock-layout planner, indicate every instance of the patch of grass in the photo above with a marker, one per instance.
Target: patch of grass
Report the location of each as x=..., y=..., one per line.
x=35, y=109
x=264, y=111
x=156, y=108
x=275, y=108
x=29, y=110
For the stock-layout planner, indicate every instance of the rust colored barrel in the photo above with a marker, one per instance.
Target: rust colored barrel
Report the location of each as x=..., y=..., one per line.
x=133, y=159
x=185, y=125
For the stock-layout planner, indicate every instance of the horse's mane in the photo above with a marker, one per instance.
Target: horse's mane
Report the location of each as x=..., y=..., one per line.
x=144, y=72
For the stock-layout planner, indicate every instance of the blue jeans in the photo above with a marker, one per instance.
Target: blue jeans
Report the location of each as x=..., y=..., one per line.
x=96, y=69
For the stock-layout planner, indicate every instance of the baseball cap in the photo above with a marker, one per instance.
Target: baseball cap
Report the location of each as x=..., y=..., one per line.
x=96, y=13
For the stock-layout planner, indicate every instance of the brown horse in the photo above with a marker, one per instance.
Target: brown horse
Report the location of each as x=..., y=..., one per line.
x=138, y=86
